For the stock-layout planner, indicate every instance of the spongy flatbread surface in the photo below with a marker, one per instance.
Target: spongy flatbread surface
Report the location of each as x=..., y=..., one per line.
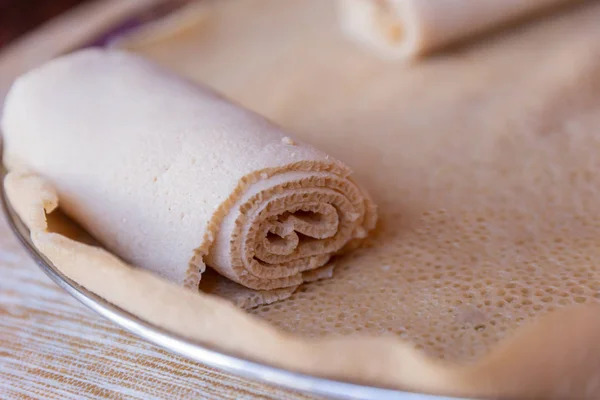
x=483, y=162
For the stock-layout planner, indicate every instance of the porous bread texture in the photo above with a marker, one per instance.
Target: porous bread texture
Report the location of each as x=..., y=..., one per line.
x=555, y=358
x=171, y=176
x=483, y=162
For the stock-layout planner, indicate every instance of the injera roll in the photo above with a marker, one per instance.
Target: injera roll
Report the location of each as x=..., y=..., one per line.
x=171, y=176
x=405, y=29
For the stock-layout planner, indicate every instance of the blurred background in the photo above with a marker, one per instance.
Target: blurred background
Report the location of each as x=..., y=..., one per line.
x=18, y=17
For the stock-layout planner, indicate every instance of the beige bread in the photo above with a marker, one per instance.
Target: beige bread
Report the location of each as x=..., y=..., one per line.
x=483, y=163
x=170, y=175
x=405, y=29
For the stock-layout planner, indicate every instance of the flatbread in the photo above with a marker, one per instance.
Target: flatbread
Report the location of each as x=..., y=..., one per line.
x=554, y=358
x=483, y=164
x=481, y=161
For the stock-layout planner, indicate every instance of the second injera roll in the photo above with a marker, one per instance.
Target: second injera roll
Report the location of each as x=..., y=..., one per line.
x=406, y=29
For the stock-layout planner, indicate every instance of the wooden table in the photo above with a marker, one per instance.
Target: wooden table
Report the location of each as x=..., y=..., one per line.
x=52, y=347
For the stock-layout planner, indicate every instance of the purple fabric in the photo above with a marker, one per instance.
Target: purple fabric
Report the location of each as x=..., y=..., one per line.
x=131, y=24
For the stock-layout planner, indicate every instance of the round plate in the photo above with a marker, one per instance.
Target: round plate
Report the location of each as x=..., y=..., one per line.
x=174, y=343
